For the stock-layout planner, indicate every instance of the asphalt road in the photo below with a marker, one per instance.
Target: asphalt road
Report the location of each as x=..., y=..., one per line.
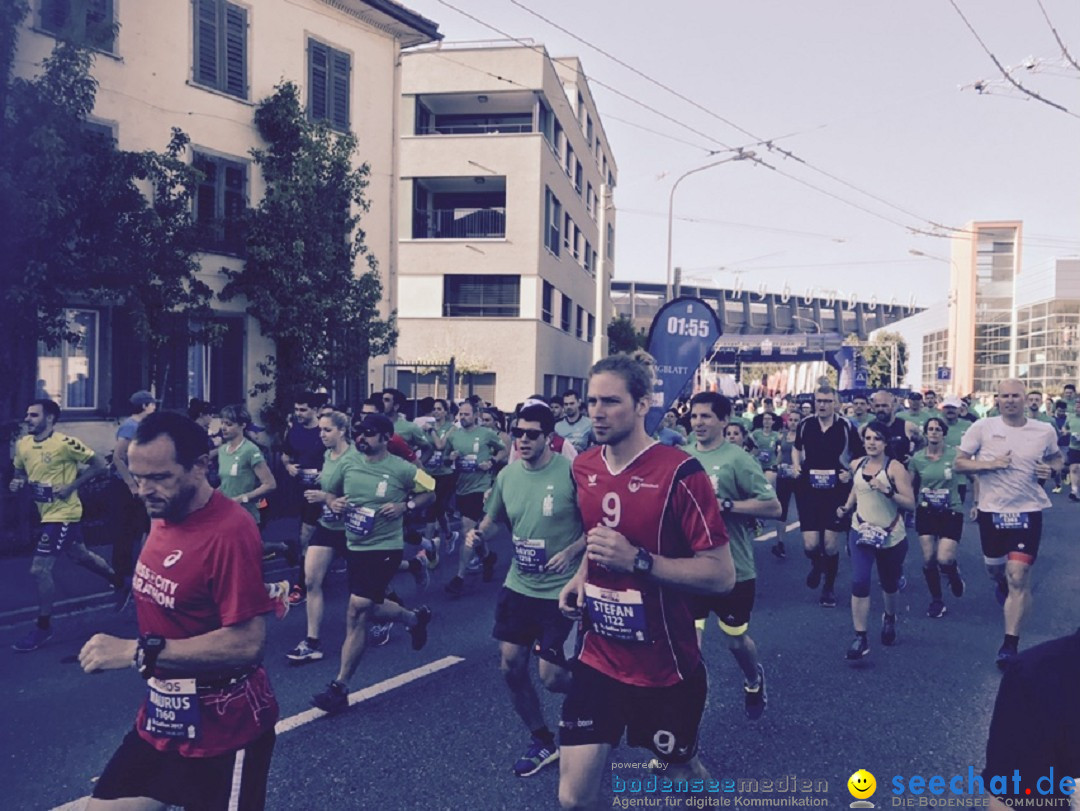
x=447, y=739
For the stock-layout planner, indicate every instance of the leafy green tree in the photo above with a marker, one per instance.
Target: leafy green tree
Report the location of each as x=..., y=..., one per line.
x=303, y=243
x=878, y=355
x=87, y=223
x=622, y=337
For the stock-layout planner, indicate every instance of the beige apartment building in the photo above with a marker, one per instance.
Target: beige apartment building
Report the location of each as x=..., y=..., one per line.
x=203, y=66
x=506, y=223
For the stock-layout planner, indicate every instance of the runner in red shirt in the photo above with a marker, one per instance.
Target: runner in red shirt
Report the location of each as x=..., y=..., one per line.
x=204, y=733
x=654, y=537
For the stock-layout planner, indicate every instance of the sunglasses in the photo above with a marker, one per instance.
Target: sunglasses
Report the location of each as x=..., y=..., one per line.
x=532, y=434
x=365, y=432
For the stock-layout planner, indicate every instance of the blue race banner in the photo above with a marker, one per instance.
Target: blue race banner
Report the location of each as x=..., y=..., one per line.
x=680, y=338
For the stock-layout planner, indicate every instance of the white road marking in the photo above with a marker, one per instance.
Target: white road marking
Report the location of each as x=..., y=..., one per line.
x=306, y=717
x=768, y=536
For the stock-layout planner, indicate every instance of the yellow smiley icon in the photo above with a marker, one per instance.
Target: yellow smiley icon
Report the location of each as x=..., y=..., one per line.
x=861, y=784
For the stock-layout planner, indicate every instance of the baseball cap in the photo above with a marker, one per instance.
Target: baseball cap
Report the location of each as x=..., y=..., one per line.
x=376, y=422
x=142, y=397
x=915, y=395
x=952, y=401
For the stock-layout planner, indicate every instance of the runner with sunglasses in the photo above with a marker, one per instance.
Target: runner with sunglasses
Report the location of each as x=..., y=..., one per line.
x=535, y=497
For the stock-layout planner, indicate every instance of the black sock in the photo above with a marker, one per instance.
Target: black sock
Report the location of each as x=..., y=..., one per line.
x=44, y=623
x=889, y=616
x=814, y=556
x=543, y=734
x=861, y=634
x=312, y=642
x=933, y=579
x=1012, y=641
x=830, y=564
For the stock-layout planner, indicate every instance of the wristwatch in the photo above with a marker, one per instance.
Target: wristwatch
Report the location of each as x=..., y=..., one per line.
x=147, y=650
x=244, y=499
x=727, y=505
x=643, y=562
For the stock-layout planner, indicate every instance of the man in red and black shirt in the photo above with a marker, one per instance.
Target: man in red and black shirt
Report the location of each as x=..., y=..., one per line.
x=654, y=536
x=205, y=733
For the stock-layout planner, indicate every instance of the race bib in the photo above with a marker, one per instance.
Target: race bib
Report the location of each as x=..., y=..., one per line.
x=1011, y=520
x=870, y=535
x=937, y=499
x=329, y=516
x=309, y=476
x=823, y=479
x=435, y=461
x=467, y=464
x=530, y=554
x=764, y=456
x=617, y=613
x=172, y=709
x=787, y=472
x=42, y=492
x=360, y=521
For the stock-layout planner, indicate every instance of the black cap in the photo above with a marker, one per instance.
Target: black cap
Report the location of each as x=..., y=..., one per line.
x=376, y=422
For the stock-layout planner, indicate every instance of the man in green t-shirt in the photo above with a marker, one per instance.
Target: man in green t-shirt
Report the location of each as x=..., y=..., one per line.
x=862, y=415
x=393, y=406
x=1072, y=458
x=744, y=495
x=535, y=497
x=474, y=450
x=379, y=488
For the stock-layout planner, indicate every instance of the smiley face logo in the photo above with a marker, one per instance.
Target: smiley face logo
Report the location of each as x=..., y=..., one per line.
x=861, y=784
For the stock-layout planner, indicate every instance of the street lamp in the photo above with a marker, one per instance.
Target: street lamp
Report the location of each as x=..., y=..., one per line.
x=740, y=155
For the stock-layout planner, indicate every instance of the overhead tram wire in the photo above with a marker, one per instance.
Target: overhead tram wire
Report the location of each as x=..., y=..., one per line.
x=759, y=141
x=1061, y=44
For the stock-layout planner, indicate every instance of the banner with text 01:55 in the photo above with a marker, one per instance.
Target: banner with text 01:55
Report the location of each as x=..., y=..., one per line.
x=680, y=338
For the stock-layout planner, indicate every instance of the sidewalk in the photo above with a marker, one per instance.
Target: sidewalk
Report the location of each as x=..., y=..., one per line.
x=78, y=589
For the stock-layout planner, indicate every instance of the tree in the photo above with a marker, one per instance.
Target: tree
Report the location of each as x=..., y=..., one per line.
x=303, y=243
x=878, y=355
x=79, y=227
x=622, y=337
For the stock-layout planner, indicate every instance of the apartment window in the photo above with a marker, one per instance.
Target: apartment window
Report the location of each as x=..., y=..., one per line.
x=568, y=234
x=570, y=161
x=580, y=329
x=221, y=47
x=589, y=256
x=547, y=311
x=328, y=85
x=215, y=369
x=592, y=328
x=580, y=107
x=68, y=372
x=220, y=201
x=588, y=131
x=558, y=138
x=567, y=314
x=545, y=122
x=590, y=200
x=552, y=218
x=459, y=208
x=95, y=27
x=579, y=243
x=611, y=242
x=474, y=296
x=577, y=177
x=549, y=386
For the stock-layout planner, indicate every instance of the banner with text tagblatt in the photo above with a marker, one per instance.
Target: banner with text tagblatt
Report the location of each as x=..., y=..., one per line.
x=680, y=338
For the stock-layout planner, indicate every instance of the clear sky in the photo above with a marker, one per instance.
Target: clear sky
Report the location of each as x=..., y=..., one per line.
x=877, y=94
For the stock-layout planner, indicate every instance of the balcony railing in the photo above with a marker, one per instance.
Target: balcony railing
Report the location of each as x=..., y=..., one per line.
x=460, y=223
x=473, y=129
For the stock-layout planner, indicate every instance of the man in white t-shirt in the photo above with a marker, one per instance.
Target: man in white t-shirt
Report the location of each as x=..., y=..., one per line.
x=1012, y=456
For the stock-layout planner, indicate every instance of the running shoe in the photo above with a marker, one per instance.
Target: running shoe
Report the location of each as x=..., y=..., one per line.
x=756, y=699
x=489, y=567
x=1073, y=497
x=333, y=699
x=455, y=586
x=888, y=629
x=859, y=648
x=34, y=639
x=936, y=610
x=279, y=594
x=778, y=550
x=1006, y=653
x=1056, y=489
x=536, y=757
x=475, y=565
x=419, y=570
x=828, y=599
x=451, y=542
x=304, y=652
x=419, y=631
x=378, y=633
x=298, y=595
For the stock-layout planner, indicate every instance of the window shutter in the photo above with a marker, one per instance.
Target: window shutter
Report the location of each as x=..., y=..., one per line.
x=235, y=50
x=206, y=38
x=54, y=15
x=340, y=90
x=317, y=80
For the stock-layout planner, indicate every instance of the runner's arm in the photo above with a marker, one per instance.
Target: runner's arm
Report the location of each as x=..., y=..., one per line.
x=120, y=461
x=267, y=483
x=95, y=466
x=966, y=464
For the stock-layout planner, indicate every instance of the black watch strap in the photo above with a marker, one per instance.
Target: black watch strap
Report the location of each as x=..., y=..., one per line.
x=147, y=651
